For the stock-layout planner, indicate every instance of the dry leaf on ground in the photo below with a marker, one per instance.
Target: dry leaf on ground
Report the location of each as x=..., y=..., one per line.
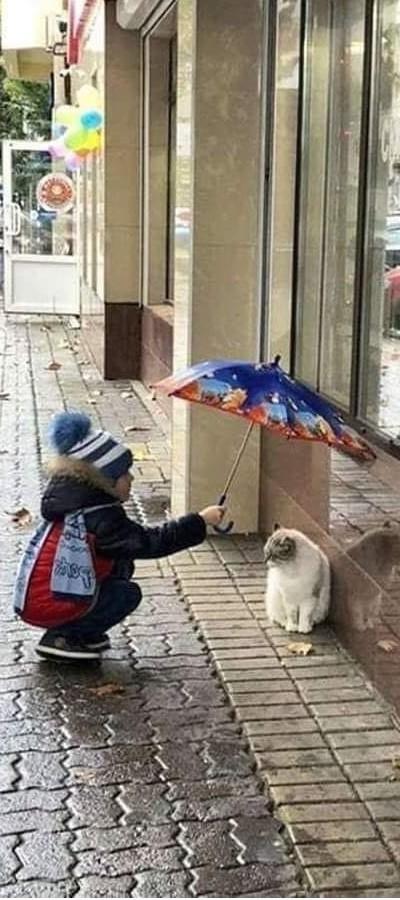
x=21, y=517
x=387, y=646
x=111, y=688
x=53, y=366
x=127, y=395
x=300, y=648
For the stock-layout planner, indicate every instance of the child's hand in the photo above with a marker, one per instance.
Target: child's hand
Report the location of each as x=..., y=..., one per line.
x=213, y=515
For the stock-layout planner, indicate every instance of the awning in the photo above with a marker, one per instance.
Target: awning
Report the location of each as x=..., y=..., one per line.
x=79, y=15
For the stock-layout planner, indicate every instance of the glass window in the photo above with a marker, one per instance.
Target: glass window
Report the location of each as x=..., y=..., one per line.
x=332, y=105
x=380, y=375
x=284, y=177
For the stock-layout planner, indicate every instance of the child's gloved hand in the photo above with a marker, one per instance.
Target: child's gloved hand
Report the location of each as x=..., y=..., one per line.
x=212, y=515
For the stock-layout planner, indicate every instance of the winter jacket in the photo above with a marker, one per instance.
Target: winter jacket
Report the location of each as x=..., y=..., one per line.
x=116, y=540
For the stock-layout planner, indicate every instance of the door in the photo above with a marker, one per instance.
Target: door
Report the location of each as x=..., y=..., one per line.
x=41, y=272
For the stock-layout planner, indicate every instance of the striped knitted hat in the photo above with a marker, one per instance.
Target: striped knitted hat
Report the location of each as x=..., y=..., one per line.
x=72, y=434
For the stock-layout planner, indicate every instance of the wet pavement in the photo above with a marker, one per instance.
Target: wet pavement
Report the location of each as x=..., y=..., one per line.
x=129, y=778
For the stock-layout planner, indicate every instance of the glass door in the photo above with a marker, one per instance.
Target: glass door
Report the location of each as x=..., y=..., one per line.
x=40, y=231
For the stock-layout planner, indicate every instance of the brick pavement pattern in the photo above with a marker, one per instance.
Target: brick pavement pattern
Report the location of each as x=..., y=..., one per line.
x=152, y=792
x=146, y=792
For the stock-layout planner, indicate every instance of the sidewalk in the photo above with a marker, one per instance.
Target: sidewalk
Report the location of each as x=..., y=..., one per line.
x=152, y=791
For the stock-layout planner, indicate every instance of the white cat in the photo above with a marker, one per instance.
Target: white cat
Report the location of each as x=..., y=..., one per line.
x=298, y=581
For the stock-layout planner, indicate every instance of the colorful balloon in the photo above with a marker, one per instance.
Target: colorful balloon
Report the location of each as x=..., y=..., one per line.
x=88, y=97
x=91, y=119
x=67, y=115
x=93, y=141
x=57, y=149
x=72, y=162
x=75, y=138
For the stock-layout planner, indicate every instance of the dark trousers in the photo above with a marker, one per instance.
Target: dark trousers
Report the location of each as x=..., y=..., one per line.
x=117, y=598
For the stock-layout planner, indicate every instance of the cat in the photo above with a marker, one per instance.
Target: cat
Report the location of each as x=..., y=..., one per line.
x=298, y=581
x=377, y=552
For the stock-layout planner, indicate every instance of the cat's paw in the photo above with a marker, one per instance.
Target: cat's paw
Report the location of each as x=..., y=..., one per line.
x=305, y=629
x=291, y=627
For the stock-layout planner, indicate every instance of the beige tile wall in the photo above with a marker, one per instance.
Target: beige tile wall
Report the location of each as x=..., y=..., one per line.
x=216, y=302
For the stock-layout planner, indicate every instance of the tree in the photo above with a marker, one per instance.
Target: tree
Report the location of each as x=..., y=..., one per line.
x=24, y=108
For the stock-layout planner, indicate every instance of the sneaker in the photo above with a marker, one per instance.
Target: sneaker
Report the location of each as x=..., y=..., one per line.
x=101, y=642
x=56, y=646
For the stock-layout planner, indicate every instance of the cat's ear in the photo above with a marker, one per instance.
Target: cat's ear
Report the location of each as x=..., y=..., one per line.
x=277, y=526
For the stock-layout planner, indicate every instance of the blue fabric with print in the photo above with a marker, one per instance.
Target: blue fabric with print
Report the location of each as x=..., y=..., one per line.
x=73, y=571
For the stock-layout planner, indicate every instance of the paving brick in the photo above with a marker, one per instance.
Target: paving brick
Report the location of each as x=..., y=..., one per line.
x=304, y=725
x=35, y=888
x=351, y=877
x=314, y=832
x=353, y=722
x=225, y=786
x=301, y=775
x=363, y=708
x=381, y=753
x=124, y=836
x=364, y=738
x=219, y=808
x=42, y=770
x=268, y=670
x=339, y=853
x=378, y=790
x=242, y=880
x=34, y=820
x=261, y=844
x=8, y=860
x=334, y=684
x=146, y=804
x=288, y=758
x=312, y=793
x=384, y=809
x=155, y=883
x=323, y=812
x=124, y=862
x=32, y=800
x=287, y=741
x=369, y=771
x=45, y=855
x=95, y=886
x=208, y=844
x=263, y=713
x=255, y=662
x=90, y=805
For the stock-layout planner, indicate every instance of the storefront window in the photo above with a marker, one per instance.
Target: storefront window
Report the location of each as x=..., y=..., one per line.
x=380, y=376
x=284, y=180
x=332, y=105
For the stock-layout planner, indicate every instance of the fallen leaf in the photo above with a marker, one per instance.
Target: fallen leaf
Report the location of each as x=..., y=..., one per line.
x=21, y=517
x=387, y=646
x=53, y=366
x=127, y=395
x=300, y=648
x=136, y=428
x=92, y=400
x=4, y=395
x=111, y=688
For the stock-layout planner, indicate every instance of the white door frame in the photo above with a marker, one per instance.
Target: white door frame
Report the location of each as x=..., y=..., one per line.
x=11, y=212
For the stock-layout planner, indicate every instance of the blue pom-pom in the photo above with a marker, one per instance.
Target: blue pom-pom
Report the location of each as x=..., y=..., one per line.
x=67, y=429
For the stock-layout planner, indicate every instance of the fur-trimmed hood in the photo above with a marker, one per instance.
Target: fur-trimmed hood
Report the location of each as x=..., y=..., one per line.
x=74, y=484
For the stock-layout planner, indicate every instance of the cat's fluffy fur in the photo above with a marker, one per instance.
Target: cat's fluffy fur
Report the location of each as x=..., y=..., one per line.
x=298, y=581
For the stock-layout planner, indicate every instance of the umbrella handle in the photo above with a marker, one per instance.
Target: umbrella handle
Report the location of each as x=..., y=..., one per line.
x=223, y=529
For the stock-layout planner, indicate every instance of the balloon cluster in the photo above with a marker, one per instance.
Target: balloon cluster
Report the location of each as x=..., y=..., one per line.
x=77, y=131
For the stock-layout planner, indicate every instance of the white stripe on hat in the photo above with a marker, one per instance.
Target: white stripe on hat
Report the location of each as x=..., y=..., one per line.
x=109, y=457
x=84, y=448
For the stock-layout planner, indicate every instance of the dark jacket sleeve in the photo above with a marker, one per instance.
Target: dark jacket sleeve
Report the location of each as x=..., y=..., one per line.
x=119, y=537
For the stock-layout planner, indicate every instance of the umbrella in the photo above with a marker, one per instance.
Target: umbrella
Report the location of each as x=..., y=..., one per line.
x=264, y=394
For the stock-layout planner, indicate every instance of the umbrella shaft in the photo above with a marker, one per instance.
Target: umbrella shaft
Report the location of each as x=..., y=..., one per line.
x=235, y=466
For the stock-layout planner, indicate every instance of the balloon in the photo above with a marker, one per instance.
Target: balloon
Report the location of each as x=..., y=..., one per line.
x=88, y=97
x=75, y=138
x=91, y=119
x=93, y=141
x=58, y=131
x=67, y=115
x=57, y=149
x=82, y=152
x=72, y=162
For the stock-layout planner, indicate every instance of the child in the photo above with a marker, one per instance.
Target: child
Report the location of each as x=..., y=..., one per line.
x=90, y=481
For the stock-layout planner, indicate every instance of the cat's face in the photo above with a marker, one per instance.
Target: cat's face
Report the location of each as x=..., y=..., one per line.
x=280, y=547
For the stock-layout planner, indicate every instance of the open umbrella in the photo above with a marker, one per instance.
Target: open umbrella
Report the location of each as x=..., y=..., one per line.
x=264, y=394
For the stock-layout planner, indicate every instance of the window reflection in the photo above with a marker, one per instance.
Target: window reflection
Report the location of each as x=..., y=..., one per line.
x=380, y=393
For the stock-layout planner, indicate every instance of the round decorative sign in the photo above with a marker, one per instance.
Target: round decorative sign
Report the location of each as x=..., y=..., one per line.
x=56, y=192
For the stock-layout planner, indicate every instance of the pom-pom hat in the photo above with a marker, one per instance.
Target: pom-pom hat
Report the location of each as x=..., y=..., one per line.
x=72, y=435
